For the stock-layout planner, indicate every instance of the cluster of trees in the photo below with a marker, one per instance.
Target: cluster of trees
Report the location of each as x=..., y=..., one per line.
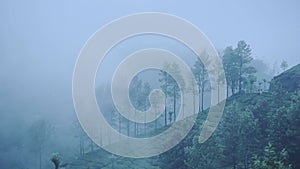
x=171, y=90
x=236, y=62
x=251, y=132
x=27, y=146
x=240, y=77
x=240, y=74
x=36, y=142
x=256, y=131
x=39, y=134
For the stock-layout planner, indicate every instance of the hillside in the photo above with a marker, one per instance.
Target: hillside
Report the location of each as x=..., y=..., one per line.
x=250, y=122
x=287, y=81
x=101, y=159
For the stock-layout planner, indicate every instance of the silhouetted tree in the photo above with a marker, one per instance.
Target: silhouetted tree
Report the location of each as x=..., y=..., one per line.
x=56, y=160
x=39, y=134
x=170, y=88
x=202, y=79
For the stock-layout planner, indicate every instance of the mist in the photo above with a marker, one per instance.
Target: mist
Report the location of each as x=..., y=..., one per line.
x=40, y=42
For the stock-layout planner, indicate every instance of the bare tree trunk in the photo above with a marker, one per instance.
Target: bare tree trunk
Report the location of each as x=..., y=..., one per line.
x=92, y=145
x=83, y=148
x=145, y=125
x=202, y=87
x=120, y=123
x=155, y=123
x=128, y=125
x=166, y=114
x=232, y=88
x=218, y=92
x=202, y=97
x=227, y=92
x=240, y=85
x=240, y=79
x=40, y=158
x=174, y=102
x=234, y=163
x=135, y=123
x=81, y=145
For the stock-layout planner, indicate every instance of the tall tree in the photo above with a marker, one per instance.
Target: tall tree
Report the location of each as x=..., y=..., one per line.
x=220, y=77
x=139, y=92
x=243, y=56
x=170, y=88
x=230, y=68
x=164, y=80
x=201, y=74
x=236, y=64
x=84, y=140
x=39, y=132
x=134, y=93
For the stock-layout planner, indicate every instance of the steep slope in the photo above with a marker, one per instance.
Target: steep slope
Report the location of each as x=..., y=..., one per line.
x=275, y=115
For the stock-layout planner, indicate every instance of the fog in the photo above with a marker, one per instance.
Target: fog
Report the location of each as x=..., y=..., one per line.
x=41, y=40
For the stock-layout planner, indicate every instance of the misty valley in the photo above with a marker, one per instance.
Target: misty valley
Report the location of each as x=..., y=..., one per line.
x=259, y=128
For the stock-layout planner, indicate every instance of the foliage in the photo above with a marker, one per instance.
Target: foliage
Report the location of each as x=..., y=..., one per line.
x=250, y=121
x=236, y=64
x=288, y=81
x=271, y=159
x=201, y=76
x=284, y=65
x=55, y=159
x=203, y=155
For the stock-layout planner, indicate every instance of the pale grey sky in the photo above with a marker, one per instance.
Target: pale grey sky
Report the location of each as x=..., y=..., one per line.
x=61, y=27
x=40, y=40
